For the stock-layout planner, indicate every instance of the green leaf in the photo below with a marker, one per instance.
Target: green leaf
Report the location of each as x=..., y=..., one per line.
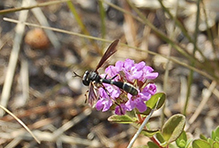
x=215, y=134
x=121, y=119
x=161, y=140
x=181, y=143
x=215, y=144
x=216, y=139
x=199, y=143
x=203, y=137
x=172, y=145
x=157, y=99
x=149, y=133
x=210, y=141
x=131, y=114
x=173, y=127
x=152, y=145
x=182, y=140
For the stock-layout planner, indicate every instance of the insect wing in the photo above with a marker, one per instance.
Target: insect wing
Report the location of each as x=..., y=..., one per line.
x=110, y=51
x=92, y=95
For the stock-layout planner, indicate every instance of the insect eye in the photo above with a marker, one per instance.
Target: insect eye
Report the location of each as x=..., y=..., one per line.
x=85, y=82
x=85, y=79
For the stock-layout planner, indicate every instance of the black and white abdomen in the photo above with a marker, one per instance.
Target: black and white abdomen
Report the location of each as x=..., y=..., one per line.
x=129, y=88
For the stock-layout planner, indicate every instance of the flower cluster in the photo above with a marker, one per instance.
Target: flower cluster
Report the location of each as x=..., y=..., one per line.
x=137, y=75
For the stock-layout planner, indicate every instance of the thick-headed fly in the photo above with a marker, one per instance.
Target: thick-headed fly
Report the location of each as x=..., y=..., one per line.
x=91, y=78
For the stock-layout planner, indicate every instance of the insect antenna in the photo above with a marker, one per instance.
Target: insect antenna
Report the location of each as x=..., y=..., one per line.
x=76, y=75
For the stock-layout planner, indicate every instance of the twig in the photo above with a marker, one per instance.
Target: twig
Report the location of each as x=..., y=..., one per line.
x=13, y=143
x=14, y=57
x=121, y=44
x=24, y=80
x=6, y=11
x=206, y=94
x=19, y=121
x=72, y=122
x=140, y=129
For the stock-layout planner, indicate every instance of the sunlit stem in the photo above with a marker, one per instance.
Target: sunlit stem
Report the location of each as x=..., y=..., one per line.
x=142, y=126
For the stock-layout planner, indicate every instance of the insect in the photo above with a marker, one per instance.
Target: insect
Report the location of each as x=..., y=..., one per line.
x=91, y=78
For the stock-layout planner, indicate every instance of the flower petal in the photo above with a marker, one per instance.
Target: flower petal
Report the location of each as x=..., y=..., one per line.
x=120, y=110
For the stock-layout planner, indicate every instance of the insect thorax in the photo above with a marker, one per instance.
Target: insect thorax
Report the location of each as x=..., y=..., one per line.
x=90, y=76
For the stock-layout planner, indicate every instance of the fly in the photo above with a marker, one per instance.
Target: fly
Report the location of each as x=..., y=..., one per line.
x=91, y=77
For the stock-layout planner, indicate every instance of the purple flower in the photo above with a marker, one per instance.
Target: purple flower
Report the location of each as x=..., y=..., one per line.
x=136, y=102
x=150, y=88
x=148, y=74
x=112, y=91
x=111, y=71
x=136, y=74
x=121, y=109
x=104, y=103
x=128, y=64
x=119, y=65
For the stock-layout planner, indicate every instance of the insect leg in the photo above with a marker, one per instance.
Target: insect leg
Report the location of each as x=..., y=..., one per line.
x=86, y=96
x=120, y=108
x=113, y=77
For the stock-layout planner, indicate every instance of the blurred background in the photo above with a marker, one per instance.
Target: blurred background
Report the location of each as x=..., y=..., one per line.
x=179, y=39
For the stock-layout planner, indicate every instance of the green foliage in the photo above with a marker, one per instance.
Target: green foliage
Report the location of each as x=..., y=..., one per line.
x=152, y=145
x=200, y=143
x=150, y=133
x=215, y=145
x=171, y=131
x=215, y=134
x=172, y=134
x=173, y=127
x=121, y=119
x=161, y=139
x=155, y=102
x=203, y=137
x=182, y=140
x=204, y=142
